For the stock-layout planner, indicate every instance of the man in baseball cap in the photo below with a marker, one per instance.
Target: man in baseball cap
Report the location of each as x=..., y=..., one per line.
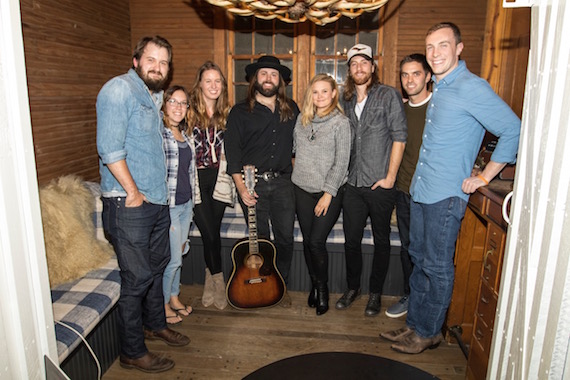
x=379, y=128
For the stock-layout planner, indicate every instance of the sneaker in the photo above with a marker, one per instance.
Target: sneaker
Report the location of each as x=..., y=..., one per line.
x=398, y=309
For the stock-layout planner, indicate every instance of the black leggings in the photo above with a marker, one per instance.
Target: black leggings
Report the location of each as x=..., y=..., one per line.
x=208, y=218
x=315, y=230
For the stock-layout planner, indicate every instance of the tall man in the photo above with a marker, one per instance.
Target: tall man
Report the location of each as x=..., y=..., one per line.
x=462, y=107
x=135, y=212
x=415, y=75
x=379, y=130
x=260, y=132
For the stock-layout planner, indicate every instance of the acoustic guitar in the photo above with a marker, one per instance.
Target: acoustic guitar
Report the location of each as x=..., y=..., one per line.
x=255, y=281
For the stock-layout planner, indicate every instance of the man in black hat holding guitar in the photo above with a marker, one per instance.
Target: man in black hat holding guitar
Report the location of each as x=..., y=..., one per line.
x=260, y=133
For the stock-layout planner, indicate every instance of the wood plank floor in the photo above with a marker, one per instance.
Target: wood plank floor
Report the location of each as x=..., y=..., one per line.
x=230, y=344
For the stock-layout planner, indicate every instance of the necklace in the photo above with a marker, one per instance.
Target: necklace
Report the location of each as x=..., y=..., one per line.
x=212, y=143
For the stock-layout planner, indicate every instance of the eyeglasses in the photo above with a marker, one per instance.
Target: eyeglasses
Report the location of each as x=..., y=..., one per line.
x=176, y=103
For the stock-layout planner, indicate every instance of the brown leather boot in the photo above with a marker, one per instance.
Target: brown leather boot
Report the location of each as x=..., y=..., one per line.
x=220, y=300
x=150, y=363
x=208, y=295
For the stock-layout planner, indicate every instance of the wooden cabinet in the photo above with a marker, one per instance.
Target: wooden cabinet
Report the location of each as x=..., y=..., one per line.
x=478, y=260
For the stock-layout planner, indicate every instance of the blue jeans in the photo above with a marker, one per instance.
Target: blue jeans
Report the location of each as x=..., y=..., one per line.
x=140, y=238
x=180, y=218
x=359, y=203
x=403, y=217
x=433, y=233
x=276, y=202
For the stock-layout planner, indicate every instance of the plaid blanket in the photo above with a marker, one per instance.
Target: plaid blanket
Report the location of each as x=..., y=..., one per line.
x=235, y=227
x=83, y=303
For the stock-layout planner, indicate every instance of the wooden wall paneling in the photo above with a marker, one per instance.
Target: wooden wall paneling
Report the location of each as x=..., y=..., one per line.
x=71, y=48
x=187, y=25
x=304, y=70
x=505, y=52
x=417, y=16
x=388, y=39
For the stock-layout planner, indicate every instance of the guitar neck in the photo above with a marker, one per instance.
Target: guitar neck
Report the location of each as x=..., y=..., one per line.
x=252, y=224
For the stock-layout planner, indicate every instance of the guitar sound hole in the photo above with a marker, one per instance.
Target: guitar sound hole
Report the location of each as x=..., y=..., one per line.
x=254, y=262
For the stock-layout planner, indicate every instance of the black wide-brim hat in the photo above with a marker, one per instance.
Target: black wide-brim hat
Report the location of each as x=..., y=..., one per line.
x=267, y=61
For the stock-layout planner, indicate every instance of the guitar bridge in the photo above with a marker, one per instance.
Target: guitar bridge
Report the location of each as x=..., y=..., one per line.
x=256, y=280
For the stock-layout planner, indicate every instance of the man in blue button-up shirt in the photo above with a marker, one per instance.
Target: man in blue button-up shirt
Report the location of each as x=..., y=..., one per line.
x=135, y=215
x=462, y=107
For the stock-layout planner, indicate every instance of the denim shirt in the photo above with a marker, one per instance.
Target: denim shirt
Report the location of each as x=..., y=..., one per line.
x=129, y=127
x=462, y=106
x=382, y=122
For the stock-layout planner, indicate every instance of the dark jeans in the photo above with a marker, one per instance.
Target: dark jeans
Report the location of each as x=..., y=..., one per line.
x=432, y=247
x=403, y=217
x=208, y=217
x=359, y=203
x=140, y=238
x=276, y=202
x=315, y=230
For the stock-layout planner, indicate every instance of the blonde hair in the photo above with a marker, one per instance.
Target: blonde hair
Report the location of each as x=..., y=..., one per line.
x=197, y=113
x=309, y=109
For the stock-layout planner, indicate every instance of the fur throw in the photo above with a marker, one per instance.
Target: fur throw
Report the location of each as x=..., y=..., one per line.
x=72, y=249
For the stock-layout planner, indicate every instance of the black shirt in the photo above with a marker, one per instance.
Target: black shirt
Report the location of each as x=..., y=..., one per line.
x=259, y=138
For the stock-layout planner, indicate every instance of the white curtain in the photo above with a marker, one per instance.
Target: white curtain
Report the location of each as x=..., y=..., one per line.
x=532, y=325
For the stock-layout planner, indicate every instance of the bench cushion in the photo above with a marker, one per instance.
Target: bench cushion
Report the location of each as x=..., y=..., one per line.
x=235, y=227
x=83, y=303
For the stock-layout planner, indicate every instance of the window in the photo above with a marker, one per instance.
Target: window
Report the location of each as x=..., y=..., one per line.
x=323, y=48
x=332, y=42
x=253, y=38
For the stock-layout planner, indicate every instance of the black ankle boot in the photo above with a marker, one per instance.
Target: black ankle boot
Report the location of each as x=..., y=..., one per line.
x=322, y=298
x=312, y=300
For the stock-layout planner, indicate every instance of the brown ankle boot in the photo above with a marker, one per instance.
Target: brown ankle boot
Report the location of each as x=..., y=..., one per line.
x=220, y=300
x=208, y=295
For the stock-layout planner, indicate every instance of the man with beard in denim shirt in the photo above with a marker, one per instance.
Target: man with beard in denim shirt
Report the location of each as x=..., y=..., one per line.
x=135, y=216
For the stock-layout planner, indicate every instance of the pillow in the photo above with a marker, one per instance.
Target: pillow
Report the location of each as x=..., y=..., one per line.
x=72, y=249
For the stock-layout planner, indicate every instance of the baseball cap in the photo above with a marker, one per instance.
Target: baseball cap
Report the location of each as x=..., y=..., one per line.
x=359, y=49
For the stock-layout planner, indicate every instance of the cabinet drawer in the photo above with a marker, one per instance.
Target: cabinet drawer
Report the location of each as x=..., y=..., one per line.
x=483, y=335
x=493, y=255
x=477, y=362
x=487, y=305
x=495, y=212
x=477, y=201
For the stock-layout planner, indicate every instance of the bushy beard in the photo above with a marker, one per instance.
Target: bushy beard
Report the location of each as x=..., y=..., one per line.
x=154, y=85
x=361, y=80
x=269, y=92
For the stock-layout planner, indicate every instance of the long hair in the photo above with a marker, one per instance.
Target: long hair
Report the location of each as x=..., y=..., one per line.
x=167, y=95
x=285, y=110
x=350, y=86
x=197, y=113
x=309, y=109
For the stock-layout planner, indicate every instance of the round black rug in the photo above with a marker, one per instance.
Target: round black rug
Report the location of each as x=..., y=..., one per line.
x=338, y=365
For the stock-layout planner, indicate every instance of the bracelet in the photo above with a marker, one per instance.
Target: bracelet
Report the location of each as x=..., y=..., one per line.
x=483, y=179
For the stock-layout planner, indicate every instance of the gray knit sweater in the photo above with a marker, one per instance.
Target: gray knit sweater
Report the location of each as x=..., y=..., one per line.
x=322, y=153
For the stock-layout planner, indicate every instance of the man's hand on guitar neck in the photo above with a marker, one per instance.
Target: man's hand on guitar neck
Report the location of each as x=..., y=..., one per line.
x=247, y=198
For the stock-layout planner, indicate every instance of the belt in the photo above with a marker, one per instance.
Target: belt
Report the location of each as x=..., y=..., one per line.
x=268, y=176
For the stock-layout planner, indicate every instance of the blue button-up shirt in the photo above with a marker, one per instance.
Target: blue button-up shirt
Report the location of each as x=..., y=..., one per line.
x=129, y=127
x=462, y=106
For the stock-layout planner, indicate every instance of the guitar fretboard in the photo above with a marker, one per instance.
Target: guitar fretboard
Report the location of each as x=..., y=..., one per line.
x=252, y=224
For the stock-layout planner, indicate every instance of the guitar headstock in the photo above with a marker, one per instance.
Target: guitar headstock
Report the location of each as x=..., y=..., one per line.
x=249, y=177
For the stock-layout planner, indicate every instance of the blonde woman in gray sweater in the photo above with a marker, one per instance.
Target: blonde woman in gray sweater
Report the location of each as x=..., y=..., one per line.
x=321, y=142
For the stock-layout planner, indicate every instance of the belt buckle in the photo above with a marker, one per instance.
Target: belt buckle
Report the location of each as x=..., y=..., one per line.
x=268, y=176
